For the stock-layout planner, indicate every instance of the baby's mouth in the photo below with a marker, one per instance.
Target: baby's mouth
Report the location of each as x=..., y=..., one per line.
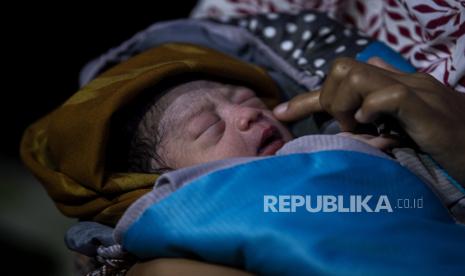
x=270, y=142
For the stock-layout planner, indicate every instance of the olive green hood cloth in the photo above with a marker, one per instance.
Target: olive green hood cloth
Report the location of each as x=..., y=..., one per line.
x=66, y=149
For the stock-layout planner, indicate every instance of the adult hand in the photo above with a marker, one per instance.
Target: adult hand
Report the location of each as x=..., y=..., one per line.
x=432, y=114
x=175, y=266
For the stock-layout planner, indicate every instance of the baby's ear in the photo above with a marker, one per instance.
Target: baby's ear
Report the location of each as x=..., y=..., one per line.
x=378, y=62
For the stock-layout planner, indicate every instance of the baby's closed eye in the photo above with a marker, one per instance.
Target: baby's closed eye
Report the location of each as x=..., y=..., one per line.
x=246, y=97
x=254, y=102
x=210, y=125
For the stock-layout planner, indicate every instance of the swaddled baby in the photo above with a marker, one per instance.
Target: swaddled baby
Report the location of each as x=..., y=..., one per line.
x=238, y=211
x=201, y=121
x=221, y=210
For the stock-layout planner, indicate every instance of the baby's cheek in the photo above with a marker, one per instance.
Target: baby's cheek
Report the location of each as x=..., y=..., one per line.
x=181, y=155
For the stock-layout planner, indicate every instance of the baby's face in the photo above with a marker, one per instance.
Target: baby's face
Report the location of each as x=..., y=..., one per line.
x=219, y=122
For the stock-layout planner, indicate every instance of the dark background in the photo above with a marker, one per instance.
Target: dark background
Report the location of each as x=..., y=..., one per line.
x=44, y=47
x=47, y=46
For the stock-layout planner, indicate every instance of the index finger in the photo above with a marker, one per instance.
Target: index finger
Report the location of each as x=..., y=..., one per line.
x=300, y=106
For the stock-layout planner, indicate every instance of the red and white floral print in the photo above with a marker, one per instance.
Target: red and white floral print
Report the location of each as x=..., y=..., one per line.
x=430, y=34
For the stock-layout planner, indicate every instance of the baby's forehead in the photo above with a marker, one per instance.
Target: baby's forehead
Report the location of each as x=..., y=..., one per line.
x=187, y=100
x=195, y=94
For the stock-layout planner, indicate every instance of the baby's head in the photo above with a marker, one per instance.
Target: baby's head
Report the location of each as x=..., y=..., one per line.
x=201, y=121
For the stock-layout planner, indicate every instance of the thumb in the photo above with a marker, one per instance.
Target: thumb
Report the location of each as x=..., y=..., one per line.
x=378, y=62
x=299, y=107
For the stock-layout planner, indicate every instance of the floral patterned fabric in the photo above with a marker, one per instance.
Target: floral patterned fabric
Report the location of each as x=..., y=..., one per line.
x=429, y=34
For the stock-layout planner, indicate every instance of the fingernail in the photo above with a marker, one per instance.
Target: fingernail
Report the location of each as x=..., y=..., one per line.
x=358, y=115
x=281, y=108
x=344, y=133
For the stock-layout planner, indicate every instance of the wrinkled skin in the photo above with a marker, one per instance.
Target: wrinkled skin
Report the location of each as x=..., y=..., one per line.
x=217, y=121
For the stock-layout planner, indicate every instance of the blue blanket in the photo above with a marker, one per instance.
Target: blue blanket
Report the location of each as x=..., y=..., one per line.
x=227, y=217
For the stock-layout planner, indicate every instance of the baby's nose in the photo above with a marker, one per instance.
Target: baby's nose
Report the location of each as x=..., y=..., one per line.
x=245, y=116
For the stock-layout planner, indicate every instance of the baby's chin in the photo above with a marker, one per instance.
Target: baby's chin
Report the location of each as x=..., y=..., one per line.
x=379, y=142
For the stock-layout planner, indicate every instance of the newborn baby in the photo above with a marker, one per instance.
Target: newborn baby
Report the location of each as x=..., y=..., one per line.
x=201, y=204
x=201, y=121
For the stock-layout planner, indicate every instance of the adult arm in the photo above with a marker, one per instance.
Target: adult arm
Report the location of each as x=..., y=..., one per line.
x=168, y=267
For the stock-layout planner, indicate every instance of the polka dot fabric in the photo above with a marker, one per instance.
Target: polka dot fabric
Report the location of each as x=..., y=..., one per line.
x=309, y=40
x=430, y=34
